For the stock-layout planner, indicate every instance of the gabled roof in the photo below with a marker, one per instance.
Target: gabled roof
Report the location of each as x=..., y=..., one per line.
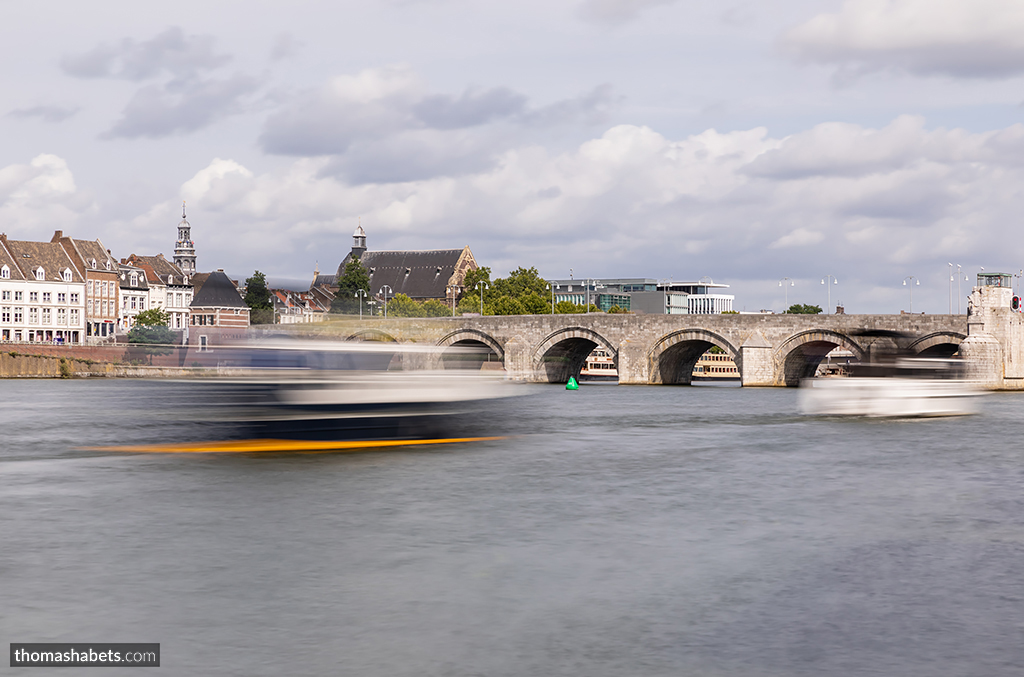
x=417, y=274
x=126, y=271
x=94, y=249
x=218, y=292
x=159, y=267
x=50, y=255
x=7, y=259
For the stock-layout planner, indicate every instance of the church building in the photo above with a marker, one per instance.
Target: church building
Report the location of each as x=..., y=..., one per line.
x=421, y=275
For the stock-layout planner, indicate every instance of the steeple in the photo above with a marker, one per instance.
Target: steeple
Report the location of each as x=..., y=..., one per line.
x=184, y=248
x=358, y=241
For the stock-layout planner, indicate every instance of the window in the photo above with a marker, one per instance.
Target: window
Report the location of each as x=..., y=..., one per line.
x=33, y=297
x=203, y=346
x=5, y=272
x=88, y=306
x=46, y=297
x=135, y=302
x=62, y=316
x=88, y=289
x=93, y=263
x=74, y=298
x=62, y=297
x=33, y=316
x=19, y=295
x=104, y=306
x=46, y=316
x=188, y=299
x=40, y=273
x=124, y=302
x=142, y=303
x=6, y=295
x=5, y=315
x=177, y=298
x=74, y=316
x=19, y=315
x=135, y=279
x=108, y=265
x=67, y=275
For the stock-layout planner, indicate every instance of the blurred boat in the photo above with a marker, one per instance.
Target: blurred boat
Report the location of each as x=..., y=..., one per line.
x=315, y=390
x=903, y=387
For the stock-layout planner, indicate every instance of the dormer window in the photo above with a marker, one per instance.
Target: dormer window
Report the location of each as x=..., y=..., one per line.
x=67, y=275
x=108, y=265
x=40, y=273
x=135, y=279
x=5, y=272
x=93, y=263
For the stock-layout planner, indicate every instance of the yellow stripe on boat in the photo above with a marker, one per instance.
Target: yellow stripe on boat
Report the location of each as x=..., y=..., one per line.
x=256, y=446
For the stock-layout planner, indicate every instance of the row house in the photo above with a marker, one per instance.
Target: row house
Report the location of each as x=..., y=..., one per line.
x=170, y=288
x=134, y=294
x=218, y=313
x=295, y=307
x=42, y=293
x=95, y=264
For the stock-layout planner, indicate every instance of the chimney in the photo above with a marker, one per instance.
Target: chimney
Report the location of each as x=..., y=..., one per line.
x=57, y=235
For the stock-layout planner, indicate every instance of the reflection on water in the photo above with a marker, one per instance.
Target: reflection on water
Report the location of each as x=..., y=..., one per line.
x=619, y=531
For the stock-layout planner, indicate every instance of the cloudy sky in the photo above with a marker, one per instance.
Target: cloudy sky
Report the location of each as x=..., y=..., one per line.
x=747, y=141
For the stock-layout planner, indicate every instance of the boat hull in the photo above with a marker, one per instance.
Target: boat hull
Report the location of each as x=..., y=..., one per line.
x=888, y=397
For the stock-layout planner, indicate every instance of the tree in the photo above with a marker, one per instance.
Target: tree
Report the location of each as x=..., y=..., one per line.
x=567, y=308
x=257, y=295
x=506, y=305
x=352, y=279
x=535, y=304
x=154, y=317
x=402, y=306
x=616, y=310
x=521, y=282
x=434, y=308
x=803, y=309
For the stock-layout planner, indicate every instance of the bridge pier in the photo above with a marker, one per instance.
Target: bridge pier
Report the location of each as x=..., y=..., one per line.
x=757, y=367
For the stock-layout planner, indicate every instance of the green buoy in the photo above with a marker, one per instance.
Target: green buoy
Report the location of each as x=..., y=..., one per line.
x=572, y=384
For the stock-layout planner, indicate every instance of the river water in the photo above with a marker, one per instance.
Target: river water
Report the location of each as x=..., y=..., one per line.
x=620, y=531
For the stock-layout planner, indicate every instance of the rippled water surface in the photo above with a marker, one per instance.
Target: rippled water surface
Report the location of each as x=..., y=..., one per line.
x=620, y=531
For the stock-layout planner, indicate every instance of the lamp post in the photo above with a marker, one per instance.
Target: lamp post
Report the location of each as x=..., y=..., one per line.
x=453, y=290
x=958, y=292
x=481, y=286
x=831, y=281
x=786, y=286
x=911, y=286
x=361, y=293
x=552, y=287
x=950, y=288
x=373, y=305
x=385, y=295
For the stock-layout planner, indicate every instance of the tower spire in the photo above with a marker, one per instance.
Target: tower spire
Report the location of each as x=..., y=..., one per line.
x=182, y=209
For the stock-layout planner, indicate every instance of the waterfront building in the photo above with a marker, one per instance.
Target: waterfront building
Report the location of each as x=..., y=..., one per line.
x=296, y=307
x=134, y=290
x=646, y=295
x=100, y=271
x=42, y=293
x=217, y=306
x=170, y=288
x=421, y=275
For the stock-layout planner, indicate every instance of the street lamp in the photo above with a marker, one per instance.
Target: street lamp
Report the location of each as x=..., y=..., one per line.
x=361, y=293
x=385, y=295
x=831, y=281
x=597, y=285
x=373, y=306
x=481, y=286
x=452, y=289
x=950, y=288
x=911, y=286
x=958, y=292
x=787, y=286
x=552, y=287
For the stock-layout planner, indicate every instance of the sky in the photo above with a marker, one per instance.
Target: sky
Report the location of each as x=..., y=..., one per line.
x=764, y=145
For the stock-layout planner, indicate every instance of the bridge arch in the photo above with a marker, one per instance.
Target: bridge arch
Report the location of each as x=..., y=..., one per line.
x=563, y=353
x=673, y=356
x=469, y=338
x=937, y=344
x=799, y=355
x=372, y=335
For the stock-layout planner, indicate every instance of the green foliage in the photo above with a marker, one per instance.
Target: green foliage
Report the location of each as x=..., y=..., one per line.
x=434, y=308
x=617, y=310
x=65, y=369
x=481, y=274
x=803, y=309
x=257, y=295
x=715, y=350
x=730, y=312
x=506, y=305
x=570, y=308
x=535, y=304
x=151, y=335
x=519, y=283
x=403, y=306
x=154, y=317
x=261, y=316
x=352, y=279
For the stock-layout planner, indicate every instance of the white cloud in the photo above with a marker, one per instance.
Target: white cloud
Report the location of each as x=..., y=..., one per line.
x=170, y=52
x=975, y=39
x=40, y=196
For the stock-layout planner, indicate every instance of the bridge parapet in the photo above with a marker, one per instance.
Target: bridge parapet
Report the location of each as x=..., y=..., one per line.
x=652, y=349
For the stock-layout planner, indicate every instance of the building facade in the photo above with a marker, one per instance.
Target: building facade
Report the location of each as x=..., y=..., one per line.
x=100, y=271
x=217, y=311
x=170, y=288
x=42, y=293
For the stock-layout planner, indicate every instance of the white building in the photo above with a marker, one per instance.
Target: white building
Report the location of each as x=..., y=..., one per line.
x=42, y=294
x=134, y=295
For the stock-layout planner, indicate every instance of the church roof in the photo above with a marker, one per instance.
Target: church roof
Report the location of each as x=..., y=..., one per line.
x=417, y=274
x=218, y=292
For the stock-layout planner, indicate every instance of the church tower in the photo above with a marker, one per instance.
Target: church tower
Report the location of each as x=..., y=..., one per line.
x=184, y=248
x=358, y=242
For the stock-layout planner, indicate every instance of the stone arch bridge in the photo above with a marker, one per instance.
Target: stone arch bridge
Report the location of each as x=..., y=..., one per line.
x=769, y=350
